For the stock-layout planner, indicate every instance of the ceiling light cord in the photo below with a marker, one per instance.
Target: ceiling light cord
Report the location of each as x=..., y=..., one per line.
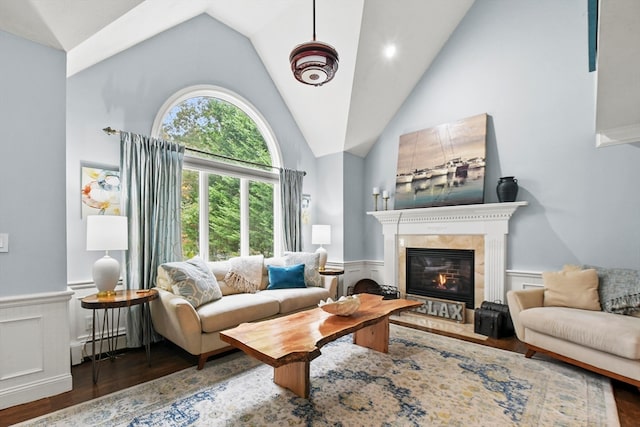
x=314, y=20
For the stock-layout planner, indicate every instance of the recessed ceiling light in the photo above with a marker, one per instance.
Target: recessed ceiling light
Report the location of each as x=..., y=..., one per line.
x=389, y=51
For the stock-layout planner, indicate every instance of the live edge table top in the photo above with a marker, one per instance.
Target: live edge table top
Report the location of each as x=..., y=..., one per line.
x=125, y=298
x=298, y=337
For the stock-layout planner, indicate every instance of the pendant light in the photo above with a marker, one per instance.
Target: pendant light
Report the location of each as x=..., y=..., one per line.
x=314, y=63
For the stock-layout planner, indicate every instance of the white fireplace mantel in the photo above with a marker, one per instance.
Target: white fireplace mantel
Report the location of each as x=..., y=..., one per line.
x=490, y=220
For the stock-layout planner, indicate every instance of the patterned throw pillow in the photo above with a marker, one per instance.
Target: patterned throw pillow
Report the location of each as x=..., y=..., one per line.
x=193, y=280
x=311, y=261
x=619, y=290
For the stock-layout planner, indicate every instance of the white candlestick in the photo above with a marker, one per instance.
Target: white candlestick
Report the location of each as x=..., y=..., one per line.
x=376, y=190
x=385, y=194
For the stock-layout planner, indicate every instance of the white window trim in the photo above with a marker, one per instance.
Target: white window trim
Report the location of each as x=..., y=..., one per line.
x=203, y=203
x=199, y=164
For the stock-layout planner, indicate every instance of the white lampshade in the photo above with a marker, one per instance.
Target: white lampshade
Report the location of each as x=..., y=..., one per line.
x=321, y=235
x=106, y=233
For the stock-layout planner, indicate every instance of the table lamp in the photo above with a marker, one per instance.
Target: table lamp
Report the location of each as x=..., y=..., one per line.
x=321, y=235
x=106, y=233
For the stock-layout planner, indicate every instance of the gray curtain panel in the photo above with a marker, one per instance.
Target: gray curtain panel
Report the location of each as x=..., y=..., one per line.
x=151, y=179
x=291, y=196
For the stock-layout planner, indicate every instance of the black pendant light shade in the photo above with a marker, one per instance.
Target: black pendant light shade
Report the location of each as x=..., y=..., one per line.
x=314, y=63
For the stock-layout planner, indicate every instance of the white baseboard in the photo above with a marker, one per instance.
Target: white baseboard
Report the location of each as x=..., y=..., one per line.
x=77, y=349
x=39, y=389
x=82, y=350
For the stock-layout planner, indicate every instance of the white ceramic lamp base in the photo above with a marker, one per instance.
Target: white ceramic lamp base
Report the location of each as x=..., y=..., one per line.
x=323, y=257
x=106, y=272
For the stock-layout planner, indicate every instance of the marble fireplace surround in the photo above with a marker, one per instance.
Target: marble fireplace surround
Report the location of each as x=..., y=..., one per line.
x=482, y=227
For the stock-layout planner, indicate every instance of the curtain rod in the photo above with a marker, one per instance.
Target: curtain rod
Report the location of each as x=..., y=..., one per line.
x=110, y=131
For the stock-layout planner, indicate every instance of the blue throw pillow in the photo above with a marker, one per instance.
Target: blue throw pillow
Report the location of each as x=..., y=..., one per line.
x=286, y=277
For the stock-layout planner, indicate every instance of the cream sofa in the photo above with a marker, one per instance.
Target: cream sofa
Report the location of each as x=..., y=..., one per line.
x=603, y=342
x=196, y=330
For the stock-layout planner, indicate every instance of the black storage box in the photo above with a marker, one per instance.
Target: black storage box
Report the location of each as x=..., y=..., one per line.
x=493, y=320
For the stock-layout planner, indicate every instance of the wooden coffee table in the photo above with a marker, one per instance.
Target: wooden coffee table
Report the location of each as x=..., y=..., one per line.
x=290, y=343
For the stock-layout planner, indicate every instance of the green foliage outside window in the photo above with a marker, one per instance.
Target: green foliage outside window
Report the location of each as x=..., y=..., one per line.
x=224, y=217
x=216, y=126
x=190, y=213
x=260, y=224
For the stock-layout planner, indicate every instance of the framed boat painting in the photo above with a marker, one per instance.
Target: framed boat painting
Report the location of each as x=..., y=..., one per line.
x=100, y=189
x=443, y=165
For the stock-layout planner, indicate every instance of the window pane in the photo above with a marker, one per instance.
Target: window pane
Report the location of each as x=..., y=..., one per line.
x=218, y=127
x=224, y=217
x=190, y=214
x=261, y=219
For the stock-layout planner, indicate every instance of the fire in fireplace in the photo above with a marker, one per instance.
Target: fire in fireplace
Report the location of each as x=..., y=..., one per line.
x=441, y=273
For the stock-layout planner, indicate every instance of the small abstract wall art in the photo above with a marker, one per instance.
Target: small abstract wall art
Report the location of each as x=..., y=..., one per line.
x=306, y=209
x=100, y=190
x=443, y=165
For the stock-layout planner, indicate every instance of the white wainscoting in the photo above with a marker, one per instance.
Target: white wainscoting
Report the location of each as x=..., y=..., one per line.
x=357, y=270
x=517, y=279
x=34, y=347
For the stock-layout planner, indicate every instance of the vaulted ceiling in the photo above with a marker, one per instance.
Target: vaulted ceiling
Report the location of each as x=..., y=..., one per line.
x=346, y=114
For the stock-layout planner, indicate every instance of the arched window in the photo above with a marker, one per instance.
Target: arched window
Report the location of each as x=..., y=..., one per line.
x=230, y=202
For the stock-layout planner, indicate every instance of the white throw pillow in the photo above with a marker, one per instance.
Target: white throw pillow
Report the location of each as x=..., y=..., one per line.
x=245, y=273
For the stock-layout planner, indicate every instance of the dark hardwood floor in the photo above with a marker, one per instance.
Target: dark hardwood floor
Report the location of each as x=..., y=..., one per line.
x=130, y=368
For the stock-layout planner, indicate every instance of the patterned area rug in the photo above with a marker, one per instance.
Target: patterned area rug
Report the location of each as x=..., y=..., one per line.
x=425, y=379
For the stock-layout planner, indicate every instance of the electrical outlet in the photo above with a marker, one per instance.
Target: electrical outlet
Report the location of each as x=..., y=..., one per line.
x=4, y=242
x=88, y=323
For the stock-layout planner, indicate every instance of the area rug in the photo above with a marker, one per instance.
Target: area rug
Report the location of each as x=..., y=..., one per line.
x=424, y=380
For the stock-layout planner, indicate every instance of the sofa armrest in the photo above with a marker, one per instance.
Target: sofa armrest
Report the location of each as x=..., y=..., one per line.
x=330, y=283
x=521, y=300
x=175, y=319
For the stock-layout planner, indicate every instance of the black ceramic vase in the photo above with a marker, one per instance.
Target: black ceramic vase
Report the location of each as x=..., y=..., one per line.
x=507, y=189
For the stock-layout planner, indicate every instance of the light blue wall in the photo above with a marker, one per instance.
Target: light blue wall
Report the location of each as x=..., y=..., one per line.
x=355, y=202
x=127, y=90
x=525, y=63
x=341, y=203
x=329, y=201
x=32, y=167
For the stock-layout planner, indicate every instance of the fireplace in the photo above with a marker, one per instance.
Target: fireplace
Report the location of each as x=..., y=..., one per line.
x=489, y=221
x=483, y=228
x=441, y=273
